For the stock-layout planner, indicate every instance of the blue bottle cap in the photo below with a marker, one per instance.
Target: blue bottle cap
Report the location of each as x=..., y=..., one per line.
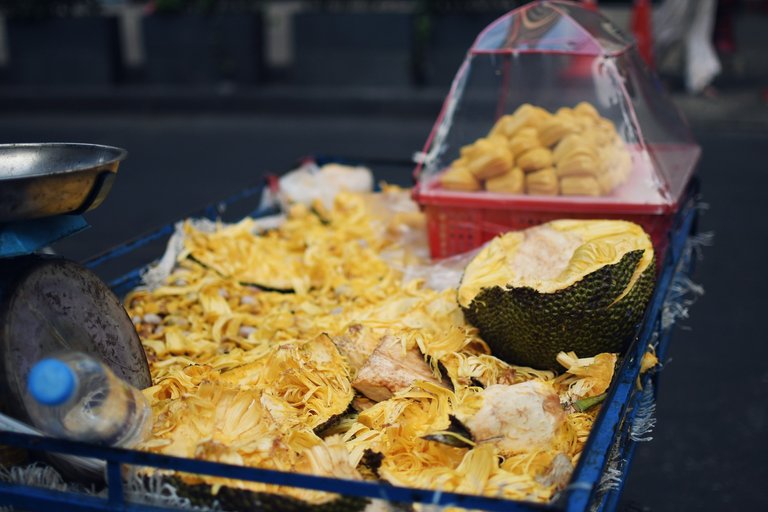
x=51, y=382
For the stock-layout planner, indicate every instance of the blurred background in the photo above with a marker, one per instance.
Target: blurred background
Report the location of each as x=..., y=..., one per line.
x=210, y=96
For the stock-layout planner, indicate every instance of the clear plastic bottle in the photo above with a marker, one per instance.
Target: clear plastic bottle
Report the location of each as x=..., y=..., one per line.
x=75, y=396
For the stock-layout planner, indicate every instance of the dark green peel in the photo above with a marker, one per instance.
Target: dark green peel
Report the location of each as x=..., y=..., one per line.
x=241, y=500
x=526, y=327
x=457, y=435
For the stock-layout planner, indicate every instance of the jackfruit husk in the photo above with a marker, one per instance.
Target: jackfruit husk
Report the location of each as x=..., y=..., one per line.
x=244, y=374
x=567, y=285
x=558, y=254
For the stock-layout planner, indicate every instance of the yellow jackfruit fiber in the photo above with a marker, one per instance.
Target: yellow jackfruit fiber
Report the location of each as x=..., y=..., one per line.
x=256, y=339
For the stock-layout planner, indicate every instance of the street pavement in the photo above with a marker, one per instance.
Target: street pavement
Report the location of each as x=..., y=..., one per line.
x=709, y=444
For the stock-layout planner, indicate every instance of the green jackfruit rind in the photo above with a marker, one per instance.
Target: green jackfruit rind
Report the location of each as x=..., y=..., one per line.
x=199, y=495
x=370, y=463
x=242, y=500
x=596, y=290
x=326, y=428
x=236, y=500
x=528, y=328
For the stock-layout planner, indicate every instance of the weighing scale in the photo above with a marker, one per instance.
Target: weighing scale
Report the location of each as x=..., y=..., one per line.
x=49, y=304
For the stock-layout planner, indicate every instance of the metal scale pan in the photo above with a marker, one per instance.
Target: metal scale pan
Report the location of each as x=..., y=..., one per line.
x=43, y=180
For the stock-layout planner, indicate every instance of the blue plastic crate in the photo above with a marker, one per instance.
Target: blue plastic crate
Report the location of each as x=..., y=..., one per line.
x=608, y=451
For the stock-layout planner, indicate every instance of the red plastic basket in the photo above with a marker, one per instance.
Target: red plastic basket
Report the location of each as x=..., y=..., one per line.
x=458, y=222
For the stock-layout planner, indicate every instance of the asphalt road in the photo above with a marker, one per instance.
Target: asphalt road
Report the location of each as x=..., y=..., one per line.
x=709, y=446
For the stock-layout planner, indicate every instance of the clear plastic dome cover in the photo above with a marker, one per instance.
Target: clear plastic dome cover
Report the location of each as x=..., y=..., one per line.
x=563, y=75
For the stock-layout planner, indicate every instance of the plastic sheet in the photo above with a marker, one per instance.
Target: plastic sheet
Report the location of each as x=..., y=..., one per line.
x=602, y=138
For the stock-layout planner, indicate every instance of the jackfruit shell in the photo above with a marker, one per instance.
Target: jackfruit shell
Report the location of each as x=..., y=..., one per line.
x=596, y=312
x=236, y=500
x=240, y=499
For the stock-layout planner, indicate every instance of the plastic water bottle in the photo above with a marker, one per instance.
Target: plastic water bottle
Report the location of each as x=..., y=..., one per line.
x=75, y=396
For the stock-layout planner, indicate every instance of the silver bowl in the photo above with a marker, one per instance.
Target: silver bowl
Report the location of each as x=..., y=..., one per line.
x=45, y=179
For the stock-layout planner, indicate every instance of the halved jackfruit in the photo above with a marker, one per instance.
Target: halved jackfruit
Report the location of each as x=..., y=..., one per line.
x=568, y=285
